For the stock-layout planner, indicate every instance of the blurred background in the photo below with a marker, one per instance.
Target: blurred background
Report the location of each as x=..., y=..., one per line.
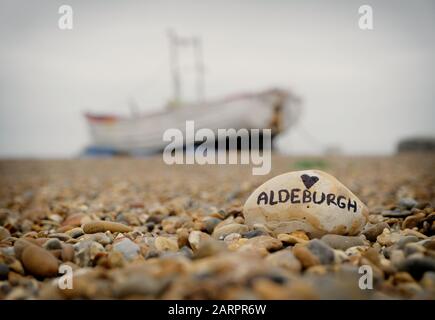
x=362, y=91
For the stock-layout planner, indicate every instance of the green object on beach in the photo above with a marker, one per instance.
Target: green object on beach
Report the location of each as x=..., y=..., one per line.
x=310, y=164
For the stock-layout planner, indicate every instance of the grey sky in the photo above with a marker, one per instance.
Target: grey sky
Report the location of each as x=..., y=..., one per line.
x=362, y=90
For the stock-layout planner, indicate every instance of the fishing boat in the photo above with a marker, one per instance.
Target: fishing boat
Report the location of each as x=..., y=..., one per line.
x=274, y=109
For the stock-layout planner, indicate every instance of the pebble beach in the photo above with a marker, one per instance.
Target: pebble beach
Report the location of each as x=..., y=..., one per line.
x=136, y=228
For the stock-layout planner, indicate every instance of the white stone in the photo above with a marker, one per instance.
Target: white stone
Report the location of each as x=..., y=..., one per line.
x=309, y=200
x=196, y=238
x=127, y=247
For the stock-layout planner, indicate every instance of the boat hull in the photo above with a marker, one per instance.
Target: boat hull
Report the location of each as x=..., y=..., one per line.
x=145, y=133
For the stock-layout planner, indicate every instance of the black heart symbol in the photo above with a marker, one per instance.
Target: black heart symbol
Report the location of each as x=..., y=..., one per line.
x=309, y=181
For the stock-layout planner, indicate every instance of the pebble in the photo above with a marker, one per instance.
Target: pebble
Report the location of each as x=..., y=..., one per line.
x=232, y=237
x=53, y=244
x=137, y=284
x=409, y=289
x=21, y=244
x=102, y=226
x=40, y=241
x=371, y=232
x=115, y=259
x=17, y=294
x=428, y=243
x=284, y=259
x=340, y=256
x=396, y=213
x=210, y=248
x=128, y=248
x=417, y=266
x=411, y=248
x=293, y=237
x=171, y=224
x=305, y=256
x=55, y=217
x=4, y=233
x=197, y=238
x=407, y=203
x=4, y=271
x=95, y=249
x=182, y=237
x=240, y=243
x=267, y=242
x=413, y=221
x=75, y=232
x=261, y=227
x=187, y=252
x=210, y=223
x=166, y=244
x=221, y=232
x=387, y=238
x=403, y=277
x=268, y=290
x=321, y=250
x=397, y=257
x=67, y=252
x=411, y=232
x=405, y=240
x=312, y=201
x=99, y=237
x=74, y=220
x=428, y=280
x=60, y=236
x=254, y=233
x=39, y=262
x=129, y=217
x=342, y=242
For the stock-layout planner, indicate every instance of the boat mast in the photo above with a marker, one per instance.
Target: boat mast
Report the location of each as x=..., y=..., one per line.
x=174, y=43
x=174, y=65
x=199, y=65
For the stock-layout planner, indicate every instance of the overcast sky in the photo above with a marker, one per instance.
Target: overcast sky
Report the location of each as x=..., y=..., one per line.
x=362, y=90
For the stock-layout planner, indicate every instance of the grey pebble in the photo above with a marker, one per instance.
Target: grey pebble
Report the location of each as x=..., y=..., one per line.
x=187, y=252
x=4, y=271
x=152, y=254
x=411, y=248
x=53, y=244
x=150, y=226
x=254, y=233
x=75, y=233
x=322, y=251
x=210, y=224
x=372, y=231
x=405, y=240
x=284, y=259
x=342, y=242
x=128, y=248
x=99, y=237
x=396, y=213
x=407, y=203
x=417, y=266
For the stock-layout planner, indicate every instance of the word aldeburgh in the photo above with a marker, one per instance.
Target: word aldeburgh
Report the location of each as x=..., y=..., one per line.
x=298, y=196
